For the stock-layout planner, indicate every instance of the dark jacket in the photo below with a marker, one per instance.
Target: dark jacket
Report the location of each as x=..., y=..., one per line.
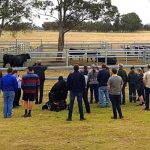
x=40, y=71
x=132, y=78
x=103, y=77
x=122, y=73
x=140, y=84
x=59, y=90
x=76, y=82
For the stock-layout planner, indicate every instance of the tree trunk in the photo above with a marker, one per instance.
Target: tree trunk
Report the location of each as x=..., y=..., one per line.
x=0, y=32
x=60, y=43
x=61, y=40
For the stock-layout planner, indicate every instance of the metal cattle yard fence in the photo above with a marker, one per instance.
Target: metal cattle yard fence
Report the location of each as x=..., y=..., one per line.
x=79, y=52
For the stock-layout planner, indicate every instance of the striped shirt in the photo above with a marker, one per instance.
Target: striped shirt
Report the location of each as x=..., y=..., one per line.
x=30, y=82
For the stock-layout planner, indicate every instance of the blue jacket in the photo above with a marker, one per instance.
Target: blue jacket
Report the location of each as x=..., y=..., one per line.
x=9, y=83
x=76, y=82
x=103, y=77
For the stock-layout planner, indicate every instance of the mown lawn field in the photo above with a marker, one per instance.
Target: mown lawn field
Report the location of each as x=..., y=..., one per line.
x=47, y=130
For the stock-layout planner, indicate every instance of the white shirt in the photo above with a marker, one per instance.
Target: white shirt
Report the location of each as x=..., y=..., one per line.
x=146, y=79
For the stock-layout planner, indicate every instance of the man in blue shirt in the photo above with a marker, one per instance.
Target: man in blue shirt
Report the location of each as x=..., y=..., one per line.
x=8, y=85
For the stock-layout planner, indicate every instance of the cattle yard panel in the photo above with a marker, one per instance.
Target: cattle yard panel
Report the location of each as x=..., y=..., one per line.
x=47, y=51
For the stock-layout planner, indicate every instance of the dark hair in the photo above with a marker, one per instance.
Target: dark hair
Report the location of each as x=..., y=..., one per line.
x=103, y=65
x=60, y=78
x=85, y=67
x=76, y=67
x=114, y=70
x=132, y=68
x=9, y=70
x=30, y=68
x=14, y=71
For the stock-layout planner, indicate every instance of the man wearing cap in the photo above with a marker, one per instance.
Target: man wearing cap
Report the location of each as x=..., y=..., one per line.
x=146, y=80
x=122, y=73
x=40, y=69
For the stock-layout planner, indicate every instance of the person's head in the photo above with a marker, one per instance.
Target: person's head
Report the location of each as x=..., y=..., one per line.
x=30, y=69
x=76, y=67
x=120, y=66
x=14, y=72
x=132, y=68
x=103, y=66
x=114, y=71
x=85, y=68
x=9, y=70
x=39, y=62
x=140, y=70
x=148, y=66
x=60, y=78
x=93, y=66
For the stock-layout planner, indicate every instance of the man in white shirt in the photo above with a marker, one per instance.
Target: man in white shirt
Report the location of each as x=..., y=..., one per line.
x=146, y=80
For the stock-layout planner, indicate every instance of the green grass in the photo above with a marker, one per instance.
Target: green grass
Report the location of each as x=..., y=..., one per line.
x=47, y=130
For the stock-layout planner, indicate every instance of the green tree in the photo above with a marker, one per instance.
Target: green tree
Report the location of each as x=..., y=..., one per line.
x=117, y=23
x=130, y=22
x=13, y=11
x=71, y=13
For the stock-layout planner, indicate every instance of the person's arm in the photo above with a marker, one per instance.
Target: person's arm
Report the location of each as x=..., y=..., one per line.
x=15, y=84
x=109, y=84
x=144, y=79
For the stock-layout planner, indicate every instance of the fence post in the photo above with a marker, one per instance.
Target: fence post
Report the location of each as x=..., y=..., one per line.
x=106, y=56
x=16, y=47
x=41, y=45
x=67, y=60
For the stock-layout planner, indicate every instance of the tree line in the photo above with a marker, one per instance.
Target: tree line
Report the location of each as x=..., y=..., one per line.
x=130, y=22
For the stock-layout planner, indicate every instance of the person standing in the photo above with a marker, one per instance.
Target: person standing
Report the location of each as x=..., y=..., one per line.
x=102, y=78
x=140, y=86
x=40, y=69
x=8, y=85
x=85, y=92
x=115, y=84
x=146, y=80
x=30, y=83
x=93, y=84
x=18, y=92
x=122, y=73
x=76, y=86
x=132, y=80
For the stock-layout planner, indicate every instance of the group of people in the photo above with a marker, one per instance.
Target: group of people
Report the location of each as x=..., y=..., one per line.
x=32, y=82
x=105, y=86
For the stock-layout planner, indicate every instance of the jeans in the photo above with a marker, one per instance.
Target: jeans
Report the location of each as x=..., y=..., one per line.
x=147, y=92
x=79, y=99
x=8, y=103
x=115, y=100
x=103, y=91
x=93, y=88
